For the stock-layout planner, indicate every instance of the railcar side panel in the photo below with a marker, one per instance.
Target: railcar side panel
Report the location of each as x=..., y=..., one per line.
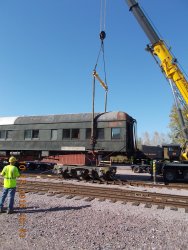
x=45, y=136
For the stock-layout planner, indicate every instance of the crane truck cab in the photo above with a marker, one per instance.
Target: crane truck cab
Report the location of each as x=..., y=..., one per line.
x=171, y=152
x=171, y=166
x=168, y=161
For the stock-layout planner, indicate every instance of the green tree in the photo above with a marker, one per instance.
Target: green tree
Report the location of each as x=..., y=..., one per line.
x=176, y=132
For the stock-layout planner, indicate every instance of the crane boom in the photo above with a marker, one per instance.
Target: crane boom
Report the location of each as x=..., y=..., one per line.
x=159, y=49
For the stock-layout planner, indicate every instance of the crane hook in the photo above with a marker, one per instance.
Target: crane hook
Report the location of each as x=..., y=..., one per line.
x=102, y=35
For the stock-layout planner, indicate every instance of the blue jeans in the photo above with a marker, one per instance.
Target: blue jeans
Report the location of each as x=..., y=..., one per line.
x=11, y=192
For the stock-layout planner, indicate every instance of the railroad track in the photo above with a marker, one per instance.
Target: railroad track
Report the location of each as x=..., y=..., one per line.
x=107, y=193
x=161, y=185
x=146, y=184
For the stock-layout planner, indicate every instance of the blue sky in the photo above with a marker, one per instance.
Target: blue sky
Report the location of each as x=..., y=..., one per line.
x=48, y=49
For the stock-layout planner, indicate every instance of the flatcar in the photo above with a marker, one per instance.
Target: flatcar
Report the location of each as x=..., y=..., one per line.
x=68, y=139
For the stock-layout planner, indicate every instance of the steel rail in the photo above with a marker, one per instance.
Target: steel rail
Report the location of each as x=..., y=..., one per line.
x=115, y=194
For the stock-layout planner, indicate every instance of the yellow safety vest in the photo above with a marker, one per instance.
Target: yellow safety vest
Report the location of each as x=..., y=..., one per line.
x=10, y=173
x=184, y=156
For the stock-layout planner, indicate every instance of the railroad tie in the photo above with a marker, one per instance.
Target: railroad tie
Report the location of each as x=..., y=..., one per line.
x=50, y=194
x=148, y=205
x=79, y=197
x=89, y=199
x=136, y=203
x=124, y=202
x=101, y=199
x=113, y=200
x=174, y=208
x=70, y=196
x=60, y=195
x=160, y=207
x=41, y=193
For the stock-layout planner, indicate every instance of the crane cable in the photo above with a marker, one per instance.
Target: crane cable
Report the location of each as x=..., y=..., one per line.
x=102, y=36
x=102, y=15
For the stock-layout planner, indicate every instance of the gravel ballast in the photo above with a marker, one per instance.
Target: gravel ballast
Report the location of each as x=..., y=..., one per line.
x=60, y=223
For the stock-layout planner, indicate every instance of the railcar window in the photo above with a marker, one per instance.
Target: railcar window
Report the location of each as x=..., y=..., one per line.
x=54, y=134
x=66, y=133
x=31, y=134
x=2, y=134
x=75, y=133
x=9, y=134
x=100, y=133
x=116, y=133
x=88, y=133
x=35, y=134
x=28, y=134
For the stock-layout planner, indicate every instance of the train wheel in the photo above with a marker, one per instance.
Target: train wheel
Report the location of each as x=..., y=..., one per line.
x=169, y=175
x=185, y=175
x=65, y=174
x=94, y=175
x=74, y=173
x=42, y=167
x=108, y=176
x=85, y=174
x=136, y=169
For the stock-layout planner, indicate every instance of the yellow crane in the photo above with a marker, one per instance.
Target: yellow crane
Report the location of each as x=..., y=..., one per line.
x=168, y=63
x=171, y=170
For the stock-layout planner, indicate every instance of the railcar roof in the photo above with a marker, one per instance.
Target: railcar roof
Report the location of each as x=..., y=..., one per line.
x=108, y=116
x=7, y=120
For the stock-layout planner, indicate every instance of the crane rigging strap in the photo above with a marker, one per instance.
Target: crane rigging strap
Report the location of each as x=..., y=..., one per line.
x=95, y=75
x=101, y=50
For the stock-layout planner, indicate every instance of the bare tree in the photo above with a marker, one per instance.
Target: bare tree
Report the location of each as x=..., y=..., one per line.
x=155, y=139
x=146, y=139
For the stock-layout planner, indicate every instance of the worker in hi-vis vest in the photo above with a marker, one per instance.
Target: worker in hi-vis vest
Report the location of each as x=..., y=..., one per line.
x=184, y=156
x=9, y=173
